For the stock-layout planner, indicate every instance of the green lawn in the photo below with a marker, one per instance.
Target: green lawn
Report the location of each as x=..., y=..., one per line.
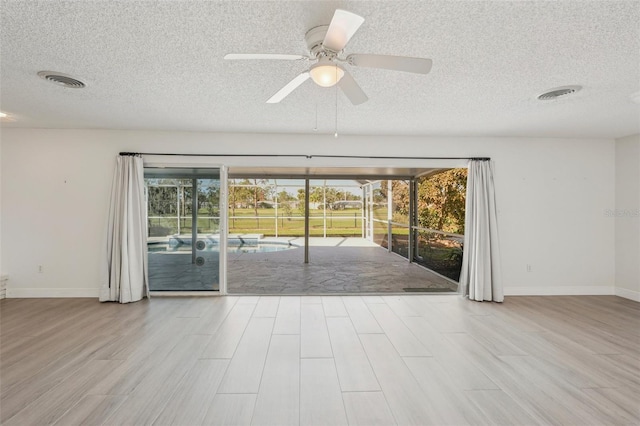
x=339, y=223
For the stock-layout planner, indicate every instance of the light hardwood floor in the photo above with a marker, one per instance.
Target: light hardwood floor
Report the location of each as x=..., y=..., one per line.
x=414, y=359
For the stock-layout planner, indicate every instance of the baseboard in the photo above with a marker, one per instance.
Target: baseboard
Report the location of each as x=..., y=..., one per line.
x=628, y=294
x=20, y=293
x=560, y=291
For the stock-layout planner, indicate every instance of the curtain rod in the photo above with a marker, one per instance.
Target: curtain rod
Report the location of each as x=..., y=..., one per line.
x=310, y=156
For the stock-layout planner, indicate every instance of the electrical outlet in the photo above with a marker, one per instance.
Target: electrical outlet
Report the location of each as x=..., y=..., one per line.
x=40, y=269
x=528, y=268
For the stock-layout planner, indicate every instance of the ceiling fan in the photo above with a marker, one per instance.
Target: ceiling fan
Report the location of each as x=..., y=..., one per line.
x=326, y=44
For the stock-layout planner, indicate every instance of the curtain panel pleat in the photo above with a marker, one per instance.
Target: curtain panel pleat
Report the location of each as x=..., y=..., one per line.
x=480, y=277
x=125, y=276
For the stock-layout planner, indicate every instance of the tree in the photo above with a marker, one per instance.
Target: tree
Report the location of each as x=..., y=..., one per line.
x=301, y=202
x=316, y=195
x=284, y=196
x=284, y=202
x=257, y=195
x=350, y=196
x=233, y=195
x=213, y=199
x=441, y=201
x=400, y=199
x=250, y=193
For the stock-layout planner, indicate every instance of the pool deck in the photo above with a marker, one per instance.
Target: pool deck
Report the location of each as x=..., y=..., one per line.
x=336, y=265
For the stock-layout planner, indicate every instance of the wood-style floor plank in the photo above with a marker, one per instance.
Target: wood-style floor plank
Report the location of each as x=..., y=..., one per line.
x=278, y=401
x=449, y=404
x=194, y=394
x=288, y=316
x=333, y=306
x=245, y=370
x=267, y=307
x=463, y=374
x=407, y=400
x=282, y=360
x=52, y=405
x=400, y=307
x=401, y=337
x=362, y=319
x=139, y=408
x=311, y=300
x=367, y=409
x=34, y=385
x=91, y=410
x=223, y=344
x=497, y=408
x=314, y=337
x=354, y=371
x=320, y=394
x=231, y=410
x=372, y=299
x=142, y=360
x=213, y=318
x=537, y=395
x=621, y=405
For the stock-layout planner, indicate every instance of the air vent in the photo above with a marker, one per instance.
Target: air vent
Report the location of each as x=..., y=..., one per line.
x=61, y=79
x=559, y=92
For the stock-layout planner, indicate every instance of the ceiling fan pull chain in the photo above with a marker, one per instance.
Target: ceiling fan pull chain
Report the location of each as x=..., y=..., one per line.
x=315, y=129
x=335, y=135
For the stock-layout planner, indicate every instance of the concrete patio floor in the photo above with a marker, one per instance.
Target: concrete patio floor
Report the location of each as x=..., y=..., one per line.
x=336, y=265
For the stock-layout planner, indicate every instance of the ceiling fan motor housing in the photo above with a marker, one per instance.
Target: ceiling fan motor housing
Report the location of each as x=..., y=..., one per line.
x=314, y=38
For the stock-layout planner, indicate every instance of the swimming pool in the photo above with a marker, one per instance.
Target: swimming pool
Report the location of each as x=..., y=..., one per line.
x=260, y=247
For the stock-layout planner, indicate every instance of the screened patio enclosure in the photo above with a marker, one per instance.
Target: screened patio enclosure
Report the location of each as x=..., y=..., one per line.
x=338, y=230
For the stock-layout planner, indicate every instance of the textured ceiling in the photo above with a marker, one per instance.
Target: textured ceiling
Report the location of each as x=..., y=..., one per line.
x=158, y=65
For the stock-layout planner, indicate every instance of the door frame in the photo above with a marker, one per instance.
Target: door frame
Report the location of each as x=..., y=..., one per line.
x=222, y=270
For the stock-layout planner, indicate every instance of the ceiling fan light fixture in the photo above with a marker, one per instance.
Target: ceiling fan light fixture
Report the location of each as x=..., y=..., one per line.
x=326, y=73
x=6, y=117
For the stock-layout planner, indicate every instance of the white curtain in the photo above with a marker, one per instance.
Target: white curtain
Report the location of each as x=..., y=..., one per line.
x=480, y=277
x=125, y=273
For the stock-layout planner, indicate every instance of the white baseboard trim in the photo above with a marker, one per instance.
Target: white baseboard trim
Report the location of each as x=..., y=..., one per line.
x=24, y=293
x=560, y=291
x=19, y=293
x=628, y=294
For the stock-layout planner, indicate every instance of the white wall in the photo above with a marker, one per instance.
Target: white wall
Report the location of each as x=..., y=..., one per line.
x=1, y=271
x=627, y=217
x=552, y=197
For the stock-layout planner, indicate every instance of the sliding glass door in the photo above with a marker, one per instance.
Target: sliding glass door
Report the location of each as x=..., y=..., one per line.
x=183, y=210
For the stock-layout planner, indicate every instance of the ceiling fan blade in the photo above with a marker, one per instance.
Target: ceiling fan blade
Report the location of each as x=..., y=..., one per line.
x=342, y=27
x=276, y=56
x=351, y=89
x=396, y=63
x=290, y=87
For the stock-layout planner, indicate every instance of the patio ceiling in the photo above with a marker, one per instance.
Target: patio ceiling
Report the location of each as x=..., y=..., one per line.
x=360, y=174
